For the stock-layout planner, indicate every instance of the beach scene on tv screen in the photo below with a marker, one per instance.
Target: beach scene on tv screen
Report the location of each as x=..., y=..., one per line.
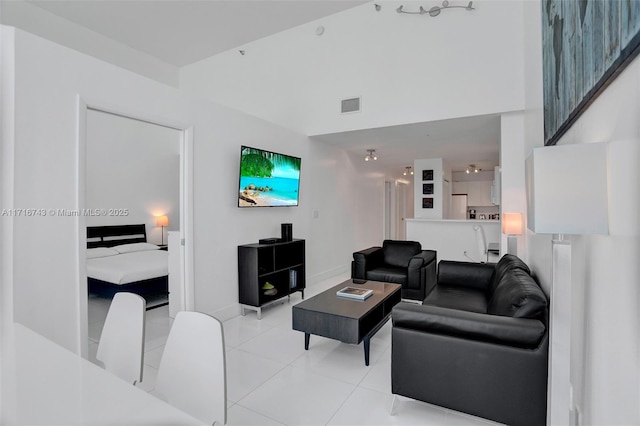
x=268, y=179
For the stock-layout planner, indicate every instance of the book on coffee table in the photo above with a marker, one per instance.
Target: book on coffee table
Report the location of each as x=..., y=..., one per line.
x=354, y=293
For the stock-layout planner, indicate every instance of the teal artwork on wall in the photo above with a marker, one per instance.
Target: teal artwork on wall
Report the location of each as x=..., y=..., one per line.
x=585, y=45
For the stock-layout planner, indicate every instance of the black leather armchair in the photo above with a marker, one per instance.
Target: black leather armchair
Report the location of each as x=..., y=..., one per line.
x=401, y=262
x=479, y=343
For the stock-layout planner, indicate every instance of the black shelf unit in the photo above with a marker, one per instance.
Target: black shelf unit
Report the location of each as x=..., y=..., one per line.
x=269, y=272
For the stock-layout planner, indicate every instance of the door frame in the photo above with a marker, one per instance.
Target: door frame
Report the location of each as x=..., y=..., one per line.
x=186, y=203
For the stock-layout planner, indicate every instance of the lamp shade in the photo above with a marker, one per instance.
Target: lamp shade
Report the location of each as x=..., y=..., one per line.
x=512, y=223
x=162, y=221
x=567, y=189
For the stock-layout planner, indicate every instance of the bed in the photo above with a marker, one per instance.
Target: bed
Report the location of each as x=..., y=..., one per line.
x=119, y=258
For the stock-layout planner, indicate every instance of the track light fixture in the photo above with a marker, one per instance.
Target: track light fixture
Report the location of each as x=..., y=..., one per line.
x=408, y=170
x=472, y=169
x=371, y=155
x=435, y=10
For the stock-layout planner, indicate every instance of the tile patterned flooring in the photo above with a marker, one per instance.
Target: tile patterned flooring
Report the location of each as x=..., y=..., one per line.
x=272, y=380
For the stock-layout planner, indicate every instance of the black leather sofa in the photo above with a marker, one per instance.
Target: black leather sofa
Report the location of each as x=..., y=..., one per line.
x=478, y=344
x=401, y=262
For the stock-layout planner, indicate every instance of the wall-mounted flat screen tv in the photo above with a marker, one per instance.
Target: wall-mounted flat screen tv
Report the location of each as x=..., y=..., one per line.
x=268, y=179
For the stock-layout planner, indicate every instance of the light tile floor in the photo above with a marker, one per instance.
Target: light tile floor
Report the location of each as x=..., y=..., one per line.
x=272, y=380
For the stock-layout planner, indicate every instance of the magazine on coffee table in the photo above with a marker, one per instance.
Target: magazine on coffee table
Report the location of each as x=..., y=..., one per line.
x=354, y=293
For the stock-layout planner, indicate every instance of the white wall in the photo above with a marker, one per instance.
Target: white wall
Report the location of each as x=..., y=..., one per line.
x=46, y=250
x=132, y=165
x=512, y=151
x=406, y=68
x=606, y=297
x=605, y=324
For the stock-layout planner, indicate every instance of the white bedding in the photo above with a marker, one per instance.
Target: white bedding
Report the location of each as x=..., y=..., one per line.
x=126, y=268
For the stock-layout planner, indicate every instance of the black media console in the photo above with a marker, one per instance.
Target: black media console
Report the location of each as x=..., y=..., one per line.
x=269, y=272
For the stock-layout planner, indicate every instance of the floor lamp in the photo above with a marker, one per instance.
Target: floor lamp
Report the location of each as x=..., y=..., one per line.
x=162, y=221
x=566, y=195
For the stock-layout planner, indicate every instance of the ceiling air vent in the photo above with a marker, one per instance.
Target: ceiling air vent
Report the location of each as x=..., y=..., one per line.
x=350, y=105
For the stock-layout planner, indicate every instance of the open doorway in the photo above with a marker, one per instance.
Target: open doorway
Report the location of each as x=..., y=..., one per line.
x=397, y=207
x=131, y=172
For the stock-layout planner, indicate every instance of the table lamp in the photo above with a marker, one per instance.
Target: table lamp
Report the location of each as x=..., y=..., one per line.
x=512, y=227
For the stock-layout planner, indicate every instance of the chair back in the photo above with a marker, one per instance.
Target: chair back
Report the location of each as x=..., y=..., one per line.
x=121, y=346
x=481, y=243
x=192, y=373
x=399, y=252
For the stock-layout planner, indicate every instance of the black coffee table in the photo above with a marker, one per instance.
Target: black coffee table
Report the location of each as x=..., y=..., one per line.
x=346, y=320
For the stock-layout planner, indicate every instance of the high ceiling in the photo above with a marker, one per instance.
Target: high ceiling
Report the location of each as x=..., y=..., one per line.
x=181, y=32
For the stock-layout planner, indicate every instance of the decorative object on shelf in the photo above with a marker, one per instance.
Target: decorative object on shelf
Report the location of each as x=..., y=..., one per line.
x=269, y=289
x=472, y=169
x=293, y=278
x=162, y=221
x=286, y=232
x=577, y=63
x=371, y=155
x=435, y=10
x=408, y=170
x=427, y=188
x=427, y=203
x=427, y=174
x=512, y=227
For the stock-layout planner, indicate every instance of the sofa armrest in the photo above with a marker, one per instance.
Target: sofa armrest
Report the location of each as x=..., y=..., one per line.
x=421, y=259
x=518, y=332
x=465, y=274
x=364, y=260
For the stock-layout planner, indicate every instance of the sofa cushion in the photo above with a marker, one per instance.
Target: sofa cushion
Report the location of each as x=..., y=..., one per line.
x=518, y=295
x=507, y=263
x=388, y=275
x=454, y=297
x=465, y=274
x=399, y=253
x=519, y=332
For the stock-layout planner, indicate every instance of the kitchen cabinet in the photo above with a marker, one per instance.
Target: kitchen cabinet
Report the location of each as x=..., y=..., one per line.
x=459, y=187
x=478, y=192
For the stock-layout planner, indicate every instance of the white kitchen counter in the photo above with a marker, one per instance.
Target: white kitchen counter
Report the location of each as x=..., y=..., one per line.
x=452, y=238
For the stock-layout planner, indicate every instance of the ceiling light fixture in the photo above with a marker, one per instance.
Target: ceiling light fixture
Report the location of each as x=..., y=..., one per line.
x=371, y=155
x=377, y=7
x=408, y=171
x=435, y=10
x=472, y=169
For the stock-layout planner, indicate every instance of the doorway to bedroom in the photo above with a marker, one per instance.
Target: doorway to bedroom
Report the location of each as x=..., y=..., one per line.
x=133, y=178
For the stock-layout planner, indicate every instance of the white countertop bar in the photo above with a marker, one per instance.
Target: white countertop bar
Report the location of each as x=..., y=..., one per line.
x=45, y=384
x=452, y=238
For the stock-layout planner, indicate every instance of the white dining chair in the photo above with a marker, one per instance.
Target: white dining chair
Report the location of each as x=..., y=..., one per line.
x=192, y=372
x=483, y=248
x=121, y=346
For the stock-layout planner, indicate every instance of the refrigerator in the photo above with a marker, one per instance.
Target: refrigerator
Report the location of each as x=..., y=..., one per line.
x=458, y=208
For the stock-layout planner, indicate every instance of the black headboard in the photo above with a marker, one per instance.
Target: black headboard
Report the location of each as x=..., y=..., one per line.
x=109, y=236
